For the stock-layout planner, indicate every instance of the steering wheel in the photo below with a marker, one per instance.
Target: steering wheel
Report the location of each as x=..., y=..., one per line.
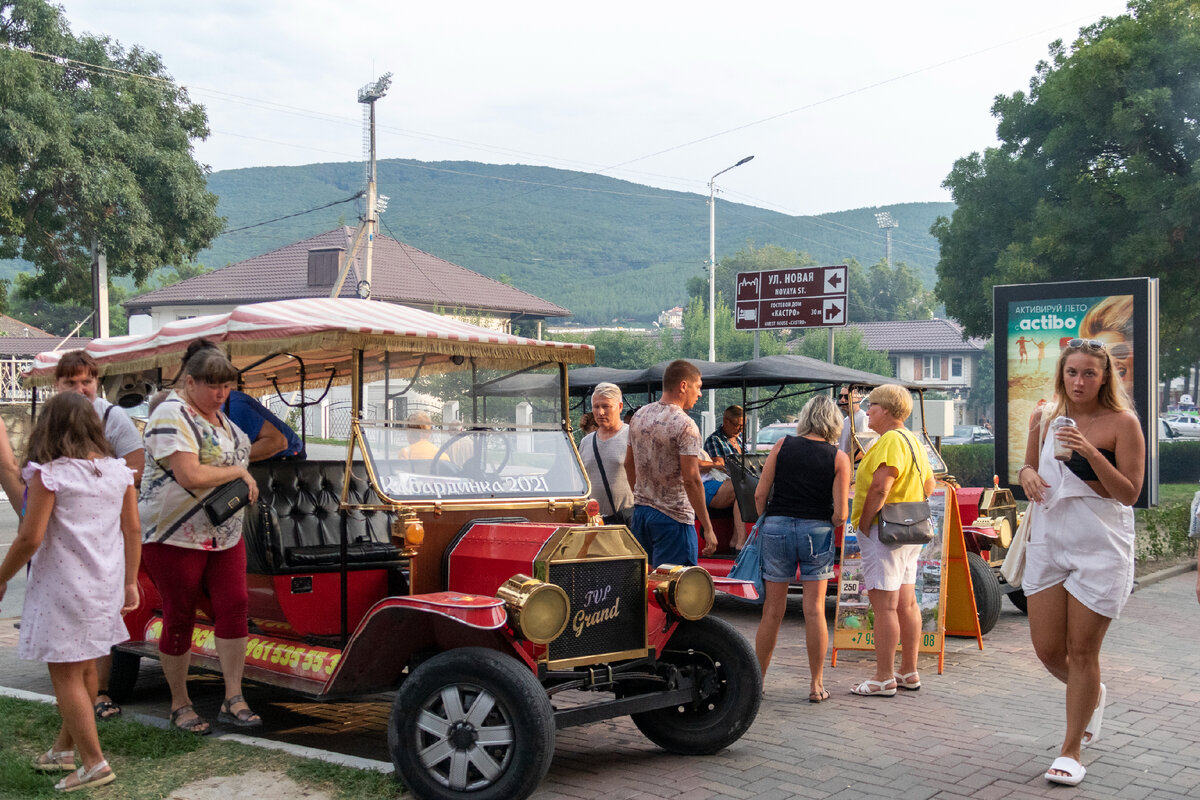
x=476, y=466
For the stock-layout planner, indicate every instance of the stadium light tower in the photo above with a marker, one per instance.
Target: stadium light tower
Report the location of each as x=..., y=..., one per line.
x=376, y=203
x=885, y=220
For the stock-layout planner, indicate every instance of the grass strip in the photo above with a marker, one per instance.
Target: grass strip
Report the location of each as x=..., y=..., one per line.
x=151, y=763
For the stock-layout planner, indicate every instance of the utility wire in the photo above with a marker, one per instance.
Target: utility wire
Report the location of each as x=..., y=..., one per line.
x=297, y=214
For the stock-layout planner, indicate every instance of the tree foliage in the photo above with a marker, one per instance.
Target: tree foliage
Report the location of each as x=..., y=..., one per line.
x=95, y=141
x=1094, y=176
x=874, y=295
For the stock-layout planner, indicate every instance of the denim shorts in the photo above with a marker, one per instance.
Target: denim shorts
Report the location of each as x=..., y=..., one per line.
x=788, y=542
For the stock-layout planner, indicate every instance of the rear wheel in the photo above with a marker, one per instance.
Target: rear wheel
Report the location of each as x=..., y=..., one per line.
x=725, y=669
x=471, y=722
x=123, y=675
x=987, y=592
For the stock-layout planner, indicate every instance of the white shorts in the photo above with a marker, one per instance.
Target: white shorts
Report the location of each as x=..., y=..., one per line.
x=1086, y=544
x=884, y=567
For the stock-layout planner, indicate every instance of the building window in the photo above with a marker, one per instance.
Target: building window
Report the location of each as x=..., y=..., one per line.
x=931, y=367
x=956, y=367
x=895, y=362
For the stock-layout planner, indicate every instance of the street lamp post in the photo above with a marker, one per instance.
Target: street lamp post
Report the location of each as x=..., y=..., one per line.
x=712, y=275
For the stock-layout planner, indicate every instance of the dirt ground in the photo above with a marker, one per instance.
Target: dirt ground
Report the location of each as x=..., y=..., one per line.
x=252, y=786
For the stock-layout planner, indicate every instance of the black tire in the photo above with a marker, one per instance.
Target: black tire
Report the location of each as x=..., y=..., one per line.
x=1017, y=597
x=123, y=675
x=987, y=592
x=726, y=668
x=435, y=747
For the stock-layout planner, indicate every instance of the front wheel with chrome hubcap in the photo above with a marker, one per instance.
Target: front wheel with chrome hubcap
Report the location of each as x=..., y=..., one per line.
x=471, y=722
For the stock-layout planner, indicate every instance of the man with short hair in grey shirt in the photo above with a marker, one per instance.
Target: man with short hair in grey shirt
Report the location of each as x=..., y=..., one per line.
x=609, y=440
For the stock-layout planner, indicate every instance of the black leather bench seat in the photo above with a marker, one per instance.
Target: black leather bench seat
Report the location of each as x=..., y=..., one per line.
x=296, y=526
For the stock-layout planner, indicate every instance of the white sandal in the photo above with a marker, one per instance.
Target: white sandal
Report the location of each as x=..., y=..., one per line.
x=875, y=689
x=87, y=778
x=55, y=761
x=1073, y=768
x=910, y=681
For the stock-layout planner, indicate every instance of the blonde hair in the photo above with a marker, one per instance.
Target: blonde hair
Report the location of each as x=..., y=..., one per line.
x=1113, y=314
x=820, y=417
x=895, y=399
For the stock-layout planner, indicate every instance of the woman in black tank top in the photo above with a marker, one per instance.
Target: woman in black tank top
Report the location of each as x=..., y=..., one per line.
x=811, y=481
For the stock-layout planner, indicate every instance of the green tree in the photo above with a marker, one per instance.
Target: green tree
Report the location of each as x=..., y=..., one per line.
x=621, y=349
x=181, y=272
x=888, y=295
x=730, y=344
x=1094, y=176
x=95, y=142
x=849, y=350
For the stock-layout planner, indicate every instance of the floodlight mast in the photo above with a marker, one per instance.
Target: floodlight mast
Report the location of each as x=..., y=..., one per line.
x=369, y=224
x=885, y=221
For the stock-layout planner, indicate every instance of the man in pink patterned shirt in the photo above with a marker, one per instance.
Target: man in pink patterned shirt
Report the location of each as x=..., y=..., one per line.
x=663, y=467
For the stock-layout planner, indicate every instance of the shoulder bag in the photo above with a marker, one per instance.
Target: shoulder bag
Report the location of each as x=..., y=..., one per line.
x=622, y=517
x=748, y=566
x=1013, y=568
x=906, y=523
x=222, y=502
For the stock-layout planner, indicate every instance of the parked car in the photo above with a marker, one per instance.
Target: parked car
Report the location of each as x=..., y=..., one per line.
x=1166, y=433
x=770, y=434
x=1184, y=424
x=969, y=434
x=476, y=584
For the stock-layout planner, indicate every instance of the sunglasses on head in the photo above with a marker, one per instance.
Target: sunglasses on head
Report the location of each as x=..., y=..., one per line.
x=1095, y=345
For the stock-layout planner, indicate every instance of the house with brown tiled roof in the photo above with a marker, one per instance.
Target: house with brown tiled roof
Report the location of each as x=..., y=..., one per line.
x=928, y=351
x=399, y=274
x=932, y=352
x=19, y=343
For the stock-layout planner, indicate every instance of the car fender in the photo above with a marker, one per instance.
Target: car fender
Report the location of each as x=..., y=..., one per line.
x=397, y=628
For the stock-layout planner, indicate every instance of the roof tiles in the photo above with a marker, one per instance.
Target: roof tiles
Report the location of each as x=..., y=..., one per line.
x=400, y=274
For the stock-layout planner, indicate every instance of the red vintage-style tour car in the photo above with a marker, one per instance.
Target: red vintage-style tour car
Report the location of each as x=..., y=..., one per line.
x=475, y=581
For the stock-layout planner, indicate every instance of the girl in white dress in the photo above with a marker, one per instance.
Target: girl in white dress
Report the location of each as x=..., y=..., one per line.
x=82, y=536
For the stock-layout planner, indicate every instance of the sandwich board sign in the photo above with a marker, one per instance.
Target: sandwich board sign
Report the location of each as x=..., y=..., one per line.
x=943, y=587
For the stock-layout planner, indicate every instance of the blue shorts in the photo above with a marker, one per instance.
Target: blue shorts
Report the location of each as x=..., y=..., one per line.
x=665, y=540
x=786, y=542
x=710, y=490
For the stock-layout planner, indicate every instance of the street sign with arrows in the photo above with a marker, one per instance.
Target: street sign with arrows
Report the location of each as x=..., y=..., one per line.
x=801, y=297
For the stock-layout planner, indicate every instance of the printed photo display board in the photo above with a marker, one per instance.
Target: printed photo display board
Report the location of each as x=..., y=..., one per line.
x=1033, y=324
x=855, y=621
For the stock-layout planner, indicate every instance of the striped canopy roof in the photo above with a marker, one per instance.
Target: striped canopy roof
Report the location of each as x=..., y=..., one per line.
x=321, y=333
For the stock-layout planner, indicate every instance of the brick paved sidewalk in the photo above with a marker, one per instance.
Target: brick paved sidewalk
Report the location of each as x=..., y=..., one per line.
x=986, y=728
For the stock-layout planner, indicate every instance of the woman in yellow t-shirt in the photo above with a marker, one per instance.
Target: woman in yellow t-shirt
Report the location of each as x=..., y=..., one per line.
x=889, y=574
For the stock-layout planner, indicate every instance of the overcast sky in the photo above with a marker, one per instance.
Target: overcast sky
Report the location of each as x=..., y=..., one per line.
x=844, y=105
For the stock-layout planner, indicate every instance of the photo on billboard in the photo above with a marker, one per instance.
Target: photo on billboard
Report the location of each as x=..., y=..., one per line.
x=1032, y=325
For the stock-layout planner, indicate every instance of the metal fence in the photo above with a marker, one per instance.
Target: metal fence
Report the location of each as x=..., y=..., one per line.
x=11, y=390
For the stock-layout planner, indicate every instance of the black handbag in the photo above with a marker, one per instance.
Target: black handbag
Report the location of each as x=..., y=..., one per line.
x=906, y=523
x=226, y=500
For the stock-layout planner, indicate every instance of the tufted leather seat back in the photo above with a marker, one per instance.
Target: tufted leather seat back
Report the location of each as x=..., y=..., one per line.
x=297, y=523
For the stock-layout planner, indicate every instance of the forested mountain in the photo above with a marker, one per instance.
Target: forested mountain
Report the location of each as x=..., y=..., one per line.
x=604, y=248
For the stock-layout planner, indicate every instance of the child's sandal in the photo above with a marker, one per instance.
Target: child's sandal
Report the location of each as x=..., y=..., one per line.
x=85, y=778
x=55, y=761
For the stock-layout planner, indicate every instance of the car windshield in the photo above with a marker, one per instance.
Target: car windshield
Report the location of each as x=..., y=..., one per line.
x=449, y=462
x=455, y=436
